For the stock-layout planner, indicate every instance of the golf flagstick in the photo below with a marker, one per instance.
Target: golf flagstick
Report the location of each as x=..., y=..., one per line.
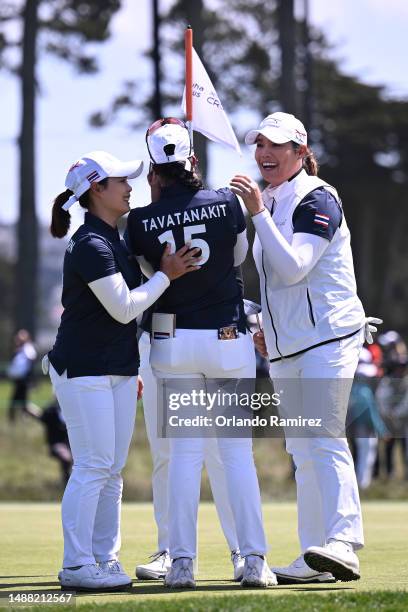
x=188, y=44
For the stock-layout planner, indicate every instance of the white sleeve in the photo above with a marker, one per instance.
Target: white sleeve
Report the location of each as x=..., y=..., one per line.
x=291, y=261
x=240, y=248
x=124, y=305
x=145, y=266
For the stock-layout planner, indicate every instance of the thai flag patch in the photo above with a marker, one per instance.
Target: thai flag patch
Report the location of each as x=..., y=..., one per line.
x=322, y=220
x=93, y=176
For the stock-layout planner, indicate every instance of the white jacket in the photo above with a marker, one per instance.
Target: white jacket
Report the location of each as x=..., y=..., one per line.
x=324, y=304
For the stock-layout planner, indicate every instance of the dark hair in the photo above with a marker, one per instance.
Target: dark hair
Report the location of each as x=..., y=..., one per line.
x=310, y=163
x=60, y=218
x=175, y=172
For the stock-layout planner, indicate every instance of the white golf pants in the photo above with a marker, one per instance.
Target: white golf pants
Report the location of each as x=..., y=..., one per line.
x=198, y=354
x=327, y=493
x=160, y=450
x=99, y=412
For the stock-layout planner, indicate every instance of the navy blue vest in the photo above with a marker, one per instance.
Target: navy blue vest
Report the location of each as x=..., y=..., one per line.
x=89, y=341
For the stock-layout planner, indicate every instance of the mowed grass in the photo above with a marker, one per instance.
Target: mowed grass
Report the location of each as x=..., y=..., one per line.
x=31, y=550
x=28, y=473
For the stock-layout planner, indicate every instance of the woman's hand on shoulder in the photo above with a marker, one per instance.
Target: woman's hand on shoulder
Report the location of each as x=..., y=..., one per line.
x=179, y=263
x=249, y=191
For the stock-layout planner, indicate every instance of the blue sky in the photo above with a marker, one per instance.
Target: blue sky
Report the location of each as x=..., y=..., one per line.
x=371, y=40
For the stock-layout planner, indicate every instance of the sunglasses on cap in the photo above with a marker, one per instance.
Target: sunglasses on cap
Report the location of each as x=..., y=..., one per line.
x=164, y=121
x=159, y=123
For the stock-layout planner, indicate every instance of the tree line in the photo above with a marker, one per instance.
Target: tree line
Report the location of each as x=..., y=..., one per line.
x=260, y=58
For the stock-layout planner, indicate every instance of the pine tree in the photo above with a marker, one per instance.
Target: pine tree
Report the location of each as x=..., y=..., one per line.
x=63, y=28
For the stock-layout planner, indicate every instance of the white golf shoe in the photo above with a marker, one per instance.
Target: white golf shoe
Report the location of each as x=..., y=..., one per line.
x=299, y=572
x=117, y=574
x=156, y=569
x=180, y=575
x=85, y=578
x=336, y=557
x=257, y=573
x=238, y=562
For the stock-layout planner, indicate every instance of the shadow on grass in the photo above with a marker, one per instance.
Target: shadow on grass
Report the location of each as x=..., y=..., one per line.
x=34, y=576
x=157, y=588
x=38, y=585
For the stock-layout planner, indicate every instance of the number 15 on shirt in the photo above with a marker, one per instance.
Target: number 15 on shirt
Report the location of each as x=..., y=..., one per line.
x=197, y=243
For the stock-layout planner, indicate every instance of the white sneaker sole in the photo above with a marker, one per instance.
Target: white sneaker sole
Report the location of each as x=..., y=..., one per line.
x=145, y=574
x=258, y=584
x=324, y=562
x=181, y=585
x=321, y=578
x=104, y=589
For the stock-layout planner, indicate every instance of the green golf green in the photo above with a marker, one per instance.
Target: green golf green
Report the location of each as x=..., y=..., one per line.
x=32, y=550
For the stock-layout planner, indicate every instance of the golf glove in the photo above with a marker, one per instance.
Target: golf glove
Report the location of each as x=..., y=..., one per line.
x=369, y=328
x=45, y=364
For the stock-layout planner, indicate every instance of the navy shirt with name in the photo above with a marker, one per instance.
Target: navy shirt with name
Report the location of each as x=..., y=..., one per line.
x=318, y=213
x=210, y=220
x=89, y=341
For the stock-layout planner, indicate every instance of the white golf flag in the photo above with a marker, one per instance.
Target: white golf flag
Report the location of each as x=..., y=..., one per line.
x=209, y=118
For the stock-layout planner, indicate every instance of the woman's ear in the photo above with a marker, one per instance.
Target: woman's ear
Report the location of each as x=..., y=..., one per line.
x=302, y=151
x=153, y=178
x=96, y=187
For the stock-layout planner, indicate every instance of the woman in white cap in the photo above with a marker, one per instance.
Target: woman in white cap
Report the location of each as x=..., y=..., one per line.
x=313, y=329
x=198, y=335
x=94, y=362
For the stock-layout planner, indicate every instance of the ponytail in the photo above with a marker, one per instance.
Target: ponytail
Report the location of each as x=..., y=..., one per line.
x=310, y=163
x=60, y=219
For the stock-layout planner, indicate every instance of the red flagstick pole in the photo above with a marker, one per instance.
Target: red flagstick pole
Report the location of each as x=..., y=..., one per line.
x=188, y=43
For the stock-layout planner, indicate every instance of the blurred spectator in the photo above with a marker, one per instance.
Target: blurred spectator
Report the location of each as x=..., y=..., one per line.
x=394, y=350
x=364, y=424
x=392, y=397
x=378, y=359
x=20, y=372
x=56, y=435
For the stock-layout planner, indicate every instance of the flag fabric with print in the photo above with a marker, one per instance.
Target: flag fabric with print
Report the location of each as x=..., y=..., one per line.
x=209, y=117
x=321, y=219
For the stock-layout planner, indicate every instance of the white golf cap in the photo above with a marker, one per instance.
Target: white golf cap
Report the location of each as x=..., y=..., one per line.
x=94, y=167
x=279, y=128
x=169, y=143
